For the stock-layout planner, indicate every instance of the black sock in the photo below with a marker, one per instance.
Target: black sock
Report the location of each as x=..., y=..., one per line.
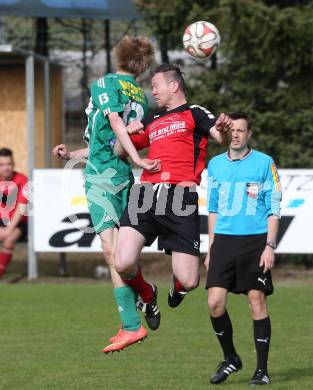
x=262, y=338
x=224, y=331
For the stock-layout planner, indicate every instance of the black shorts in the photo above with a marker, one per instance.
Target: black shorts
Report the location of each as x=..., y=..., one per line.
x=23, y=228
x=170, y=214
x=234, y=264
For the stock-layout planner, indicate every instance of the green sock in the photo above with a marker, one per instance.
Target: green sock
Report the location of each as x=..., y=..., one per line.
x=126, y=303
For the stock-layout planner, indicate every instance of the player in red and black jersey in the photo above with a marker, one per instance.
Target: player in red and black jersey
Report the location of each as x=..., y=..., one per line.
x=179, y=137
x=13, y=222
x=166, y=206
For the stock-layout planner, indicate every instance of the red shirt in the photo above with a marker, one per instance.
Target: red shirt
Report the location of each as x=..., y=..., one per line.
x=179, y=138
x=11, y=195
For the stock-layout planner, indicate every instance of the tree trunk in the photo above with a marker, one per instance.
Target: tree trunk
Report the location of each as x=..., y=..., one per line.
x=107, y=45
x=84, y=78
x=2, y=32
x=214, y=62
x=42, y=36
x=164, y=51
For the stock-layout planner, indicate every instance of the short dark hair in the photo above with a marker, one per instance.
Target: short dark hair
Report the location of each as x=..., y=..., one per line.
x=173, y=73
x=6, y=152
x=241, y=115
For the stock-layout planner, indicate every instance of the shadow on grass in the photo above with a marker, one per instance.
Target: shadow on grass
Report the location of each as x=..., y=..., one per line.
x=285, y=375
x=293, y=373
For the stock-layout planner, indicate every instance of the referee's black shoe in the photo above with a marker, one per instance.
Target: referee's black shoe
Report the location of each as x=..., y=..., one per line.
x=151, y=310
x=225, y=368
x=260, y=378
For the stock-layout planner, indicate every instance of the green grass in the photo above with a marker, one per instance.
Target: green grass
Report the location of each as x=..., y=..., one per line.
x=51, y=337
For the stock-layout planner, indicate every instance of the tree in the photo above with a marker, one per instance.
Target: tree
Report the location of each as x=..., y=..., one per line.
x=167, y=20
x=266, y=69
x=287, y=3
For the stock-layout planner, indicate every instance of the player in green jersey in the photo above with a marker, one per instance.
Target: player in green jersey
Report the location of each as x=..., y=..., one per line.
x=116, y=101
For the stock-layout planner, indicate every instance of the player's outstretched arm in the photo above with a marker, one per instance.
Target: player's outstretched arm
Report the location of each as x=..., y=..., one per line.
x=62, y=152
x=120, y=131
x=222, y=126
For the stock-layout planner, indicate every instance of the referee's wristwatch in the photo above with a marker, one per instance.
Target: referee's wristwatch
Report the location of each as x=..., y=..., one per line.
x=272, y=244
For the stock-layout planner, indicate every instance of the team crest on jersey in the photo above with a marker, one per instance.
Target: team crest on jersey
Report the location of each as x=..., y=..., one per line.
x=253, y=189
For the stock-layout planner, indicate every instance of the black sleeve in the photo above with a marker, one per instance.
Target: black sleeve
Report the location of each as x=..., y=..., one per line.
x=204, y=119
x=148, y=118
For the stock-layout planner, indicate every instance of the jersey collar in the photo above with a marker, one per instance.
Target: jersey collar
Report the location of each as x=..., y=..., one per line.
x=163, y=113
x=239, y=159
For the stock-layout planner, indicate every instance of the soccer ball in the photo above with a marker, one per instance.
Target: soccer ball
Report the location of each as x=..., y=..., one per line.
x=201, y=39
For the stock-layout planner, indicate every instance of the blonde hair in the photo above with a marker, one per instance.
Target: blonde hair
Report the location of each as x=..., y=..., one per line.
x=134, y=54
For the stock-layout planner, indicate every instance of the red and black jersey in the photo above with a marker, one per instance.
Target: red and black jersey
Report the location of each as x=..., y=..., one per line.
x=11, y=195
x=178, y=138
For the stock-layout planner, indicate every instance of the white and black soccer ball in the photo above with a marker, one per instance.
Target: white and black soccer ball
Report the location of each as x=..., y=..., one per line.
x=201, y=39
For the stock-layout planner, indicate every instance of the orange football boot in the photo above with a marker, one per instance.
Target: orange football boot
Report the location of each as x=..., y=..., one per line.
x=112, y=339
x=126, y=338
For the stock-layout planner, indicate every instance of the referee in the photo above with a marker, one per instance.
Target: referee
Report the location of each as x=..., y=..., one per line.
x=244, y=211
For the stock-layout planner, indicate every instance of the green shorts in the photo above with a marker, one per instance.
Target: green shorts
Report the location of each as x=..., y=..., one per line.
x=107, y=199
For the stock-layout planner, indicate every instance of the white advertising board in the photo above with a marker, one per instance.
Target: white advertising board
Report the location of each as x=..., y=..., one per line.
x=59, y=194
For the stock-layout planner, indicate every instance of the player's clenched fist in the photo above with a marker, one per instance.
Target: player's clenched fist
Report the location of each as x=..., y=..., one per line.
x=61, y=152
x=223, y=123
x=135, y=127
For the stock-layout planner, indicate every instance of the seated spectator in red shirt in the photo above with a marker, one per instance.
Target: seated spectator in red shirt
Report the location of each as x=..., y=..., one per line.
x=13, y=220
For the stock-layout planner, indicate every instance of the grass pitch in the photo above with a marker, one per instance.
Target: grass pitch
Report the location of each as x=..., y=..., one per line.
x=51, y=337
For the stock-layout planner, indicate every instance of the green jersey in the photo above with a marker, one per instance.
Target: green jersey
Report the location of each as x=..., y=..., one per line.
x=111, y=93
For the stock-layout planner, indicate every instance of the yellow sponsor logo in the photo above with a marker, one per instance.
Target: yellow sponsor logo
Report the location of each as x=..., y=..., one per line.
x=79, y=201
x=131, y=90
